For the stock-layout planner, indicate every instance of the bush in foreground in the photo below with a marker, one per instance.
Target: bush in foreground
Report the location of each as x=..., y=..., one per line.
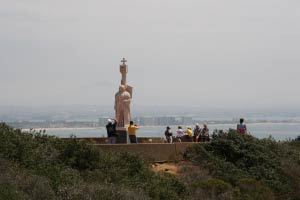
x=43, y=167
x=231, y=166
x=256, y=169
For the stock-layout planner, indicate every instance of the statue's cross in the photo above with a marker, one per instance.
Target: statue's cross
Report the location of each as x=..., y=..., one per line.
x=123, y=61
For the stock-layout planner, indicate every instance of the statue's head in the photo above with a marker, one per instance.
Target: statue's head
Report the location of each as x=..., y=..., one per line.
x=122, y=88
x=123, y=69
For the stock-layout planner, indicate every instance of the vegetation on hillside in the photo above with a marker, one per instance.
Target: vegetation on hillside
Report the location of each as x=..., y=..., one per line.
x=231, y=166
x=36, y=166
x=243, y=167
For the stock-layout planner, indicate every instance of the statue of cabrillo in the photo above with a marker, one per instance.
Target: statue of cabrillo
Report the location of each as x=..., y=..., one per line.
x=123, y=98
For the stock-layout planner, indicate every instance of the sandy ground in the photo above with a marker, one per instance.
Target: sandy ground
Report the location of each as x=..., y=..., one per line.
x=172, y=168
x=167, y=167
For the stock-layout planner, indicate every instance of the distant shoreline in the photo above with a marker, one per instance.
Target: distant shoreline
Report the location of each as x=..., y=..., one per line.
x=99, y=127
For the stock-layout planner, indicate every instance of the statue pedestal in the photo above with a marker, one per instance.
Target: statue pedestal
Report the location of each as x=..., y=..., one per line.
x=122, y=135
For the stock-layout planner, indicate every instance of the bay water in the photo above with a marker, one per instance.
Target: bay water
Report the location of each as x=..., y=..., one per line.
x=279, y=131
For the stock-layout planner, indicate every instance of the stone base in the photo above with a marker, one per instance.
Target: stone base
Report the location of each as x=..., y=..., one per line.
x=122, y=136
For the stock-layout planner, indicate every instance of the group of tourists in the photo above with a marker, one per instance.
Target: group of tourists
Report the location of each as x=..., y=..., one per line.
x=198, y=134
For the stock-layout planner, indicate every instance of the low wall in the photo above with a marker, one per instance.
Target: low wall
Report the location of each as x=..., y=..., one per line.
x=155, y=152
x=103, y=140
x=151, y=140
x=152, y=149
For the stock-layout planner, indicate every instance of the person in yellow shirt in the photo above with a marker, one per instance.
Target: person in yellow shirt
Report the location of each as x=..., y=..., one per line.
x=189, y=132
x=132, y=132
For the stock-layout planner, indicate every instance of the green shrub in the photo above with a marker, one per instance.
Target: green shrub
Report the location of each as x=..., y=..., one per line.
x=16, y=183
x=70, y=169
x=78, y=155
x=212, y=185
x=253, y=190
x=233, y=157
x=8, y=191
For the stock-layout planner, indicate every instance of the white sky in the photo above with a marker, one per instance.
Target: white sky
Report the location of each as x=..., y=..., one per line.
x=210, y=53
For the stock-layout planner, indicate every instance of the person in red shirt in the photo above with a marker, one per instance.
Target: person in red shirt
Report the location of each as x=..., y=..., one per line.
x=241, y=127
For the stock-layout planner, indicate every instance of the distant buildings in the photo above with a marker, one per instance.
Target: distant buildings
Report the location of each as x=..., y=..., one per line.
x=53, y=124
x=148, y=121
x=163, y=121
x=186, y=120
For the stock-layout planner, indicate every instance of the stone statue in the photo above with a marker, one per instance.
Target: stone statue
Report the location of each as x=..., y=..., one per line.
x=123, y=99
x=122, y=106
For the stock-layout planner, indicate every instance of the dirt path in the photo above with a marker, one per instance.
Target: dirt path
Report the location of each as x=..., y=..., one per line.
x=172, y=168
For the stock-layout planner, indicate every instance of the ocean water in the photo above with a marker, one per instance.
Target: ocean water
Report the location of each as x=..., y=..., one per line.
x=279, y=131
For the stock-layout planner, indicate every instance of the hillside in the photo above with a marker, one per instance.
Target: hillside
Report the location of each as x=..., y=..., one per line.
x=36, y=166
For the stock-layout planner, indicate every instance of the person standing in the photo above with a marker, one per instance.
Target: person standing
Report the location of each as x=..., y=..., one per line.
x=180, y=134
x=132, y=132
x=197, y=132
x=241, y=127
x=204, y=134
x=189, y=134
x=168, y=134
x=111, y=131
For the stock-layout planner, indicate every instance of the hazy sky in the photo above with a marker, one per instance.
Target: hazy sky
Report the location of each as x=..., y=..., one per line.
x=210, y=53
